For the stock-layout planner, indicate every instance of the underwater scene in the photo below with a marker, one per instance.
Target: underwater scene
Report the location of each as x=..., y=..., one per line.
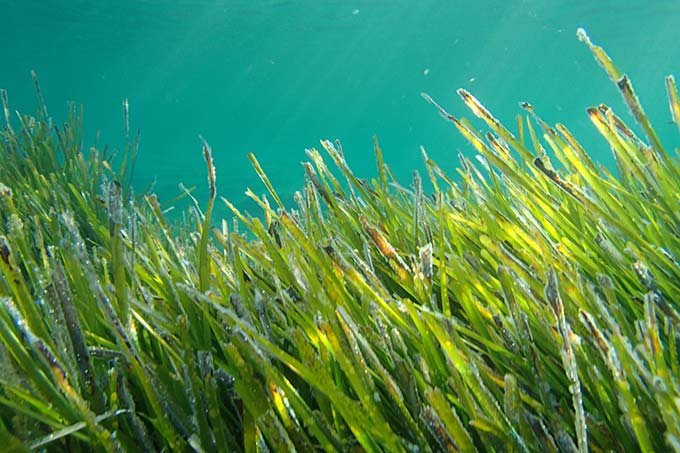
x=363, y=226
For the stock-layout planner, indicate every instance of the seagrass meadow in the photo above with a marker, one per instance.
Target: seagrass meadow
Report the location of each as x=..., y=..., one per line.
x=529, y=303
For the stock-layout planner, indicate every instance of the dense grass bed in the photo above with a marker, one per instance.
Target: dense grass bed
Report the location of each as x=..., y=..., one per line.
x=527, y=304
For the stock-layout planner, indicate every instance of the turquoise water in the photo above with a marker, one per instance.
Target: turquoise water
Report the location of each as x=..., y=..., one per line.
x=274, y=77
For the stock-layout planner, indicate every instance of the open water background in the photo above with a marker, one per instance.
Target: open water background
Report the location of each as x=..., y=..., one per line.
x=276, y=76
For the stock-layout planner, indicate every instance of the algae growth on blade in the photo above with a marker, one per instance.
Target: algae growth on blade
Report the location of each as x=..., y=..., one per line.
x=528, y=303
